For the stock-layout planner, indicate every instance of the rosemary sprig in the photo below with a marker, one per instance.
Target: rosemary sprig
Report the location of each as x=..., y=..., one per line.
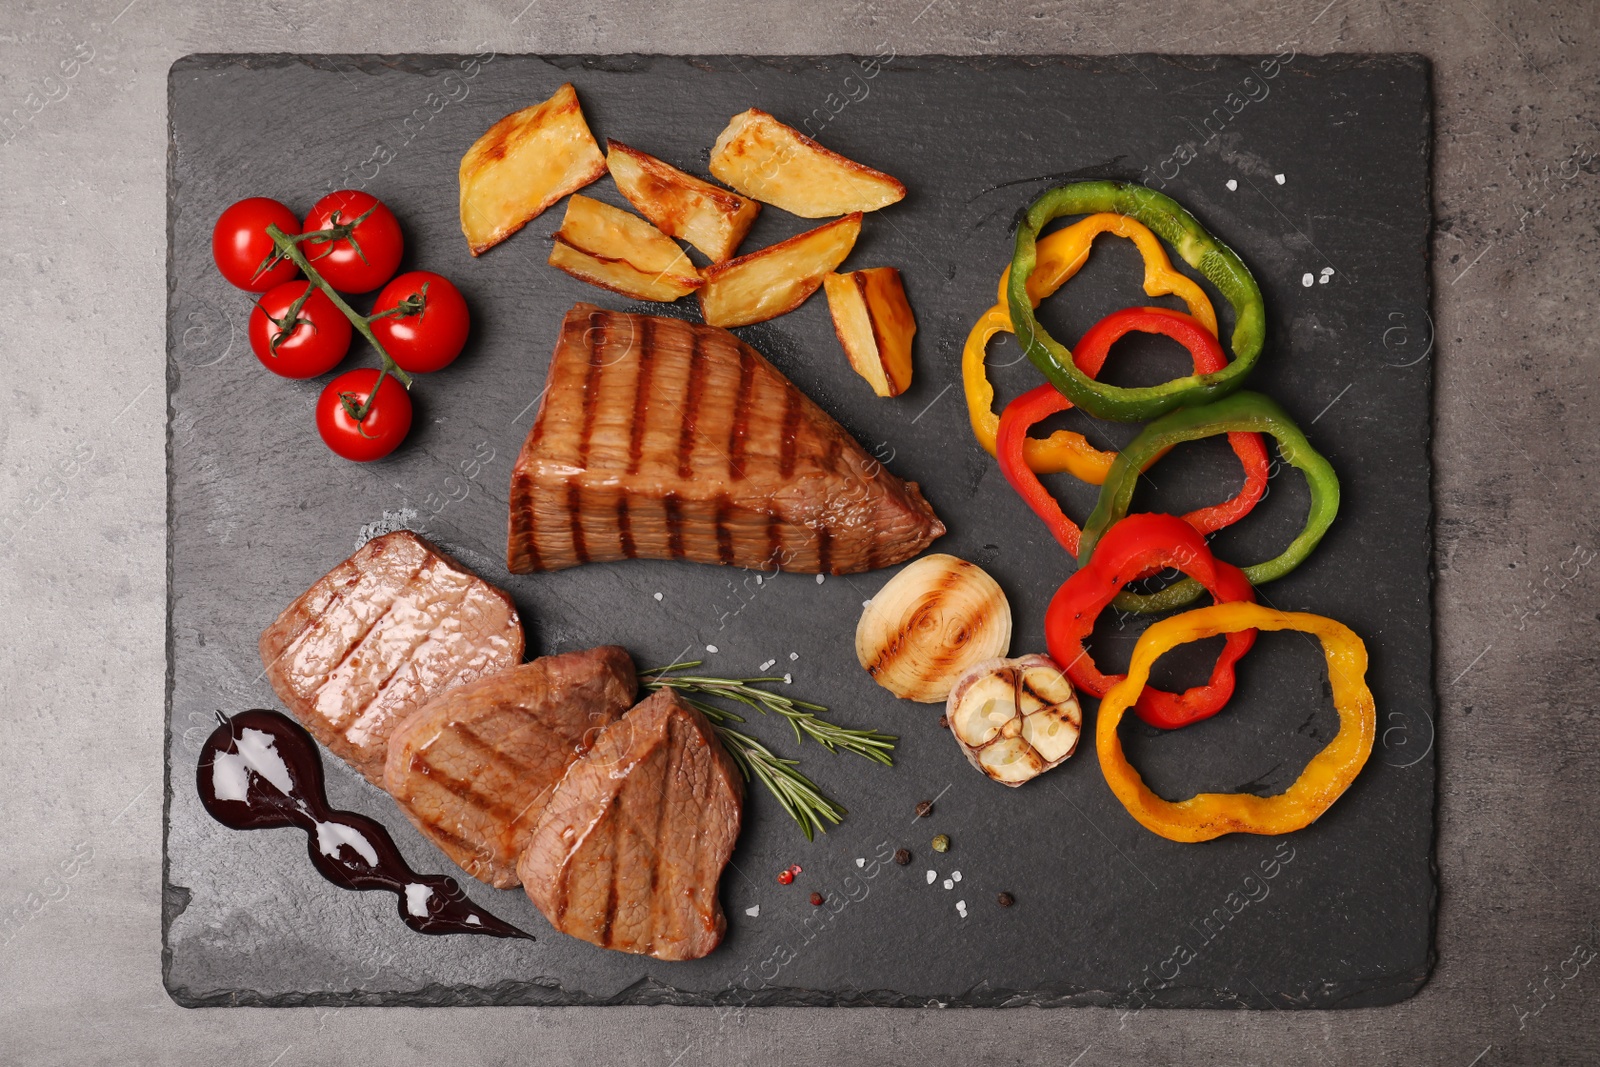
x=807, y=805
x=801, y=714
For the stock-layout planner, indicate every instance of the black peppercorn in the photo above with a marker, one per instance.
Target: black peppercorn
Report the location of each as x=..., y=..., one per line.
x=1005, y=900
x=902, y=856
x=924, y=808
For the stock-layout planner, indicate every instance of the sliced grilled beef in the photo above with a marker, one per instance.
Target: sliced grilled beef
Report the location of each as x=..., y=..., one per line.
x=381, y=634
x=664, y=439
x=474, y=768
x=630, y=847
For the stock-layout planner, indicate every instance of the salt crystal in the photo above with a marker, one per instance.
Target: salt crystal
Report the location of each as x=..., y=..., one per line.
x=955, y=876
x=658, y=596
x=1307, y=280
x=931, y=877
x=961, y=906
x=788, y=679
x=1232, y=185
x=767, y=665
x=860, y=862
x=711, y=649
x=794, y=656
x=753, y=911
x=948, y=884
x=819, y=579
x=1278, y=178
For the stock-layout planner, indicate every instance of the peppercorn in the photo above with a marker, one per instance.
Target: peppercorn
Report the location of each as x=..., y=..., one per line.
x=902, y=856
x=941, y=843
x=924, y=808
x=816, y=900
x=944, y=722
x=785, y=877
x=1005, y=900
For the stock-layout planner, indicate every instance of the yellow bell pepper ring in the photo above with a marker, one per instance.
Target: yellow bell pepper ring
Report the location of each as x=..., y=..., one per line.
x=1210, y=815
x=1061, y=255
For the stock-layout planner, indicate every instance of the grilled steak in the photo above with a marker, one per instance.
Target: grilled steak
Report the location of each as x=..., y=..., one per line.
x=663, y=439
x=630, y=847
x=475, y=767
x=380, y=635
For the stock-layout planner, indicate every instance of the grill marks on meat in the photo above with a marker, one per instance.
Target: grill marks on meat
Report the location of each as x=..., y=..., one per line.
x=664, y=439
x=629, y=850
x=384, y=632
x=474, y=769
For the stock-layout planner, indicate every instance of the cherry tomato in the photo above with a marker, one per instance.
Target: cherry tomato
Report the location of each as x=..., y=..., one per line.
x=385, y=426
x=378, y=235
x=428, y=340
x=315, y=346
x=239, y=243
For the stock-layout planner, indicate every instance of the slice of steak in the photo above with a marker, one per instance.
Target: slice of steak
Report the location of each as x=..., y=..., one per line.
x=664, y=439
x=632, y=843
x=380, y=635
x=474, y=768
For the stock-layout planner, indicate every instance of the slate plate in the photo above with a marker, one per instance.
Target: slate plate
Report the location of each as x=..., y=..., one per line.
x=1314, y=169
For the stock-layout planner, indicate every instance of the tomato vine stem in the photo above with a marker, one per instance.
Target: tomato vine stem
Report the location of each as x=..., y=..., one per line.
x=291, y=251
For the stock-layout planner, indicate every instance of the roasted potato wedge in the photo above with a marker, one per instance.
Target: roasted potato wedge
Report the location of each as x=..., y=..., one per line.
x=526, y=162
x=778, y=165
x=709, y=217
x=874, y=322
x=606, y=246
x=778, y=278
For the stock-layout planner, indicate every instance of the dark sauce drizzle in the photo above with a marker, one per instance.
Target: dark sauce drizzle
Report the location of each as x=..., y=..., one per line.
x=260, y=770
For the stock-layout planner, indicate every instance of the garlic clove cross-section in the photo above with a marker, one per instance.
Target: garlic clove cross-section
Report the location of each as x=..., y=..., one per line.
x=1015, y=718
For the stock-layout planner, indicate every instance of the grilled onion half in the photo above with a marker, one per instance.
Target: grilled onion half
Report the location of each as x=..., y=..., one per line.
x=1015, y=718
x=930, y=624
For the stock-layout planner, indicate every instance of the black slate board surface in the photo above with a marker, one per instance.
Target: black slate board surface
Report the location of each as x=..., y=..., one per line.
x=1315, y=169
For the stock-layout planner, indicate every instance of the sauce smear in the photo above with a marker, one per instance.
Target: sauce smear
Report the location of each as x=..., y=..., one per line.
x=259, y=770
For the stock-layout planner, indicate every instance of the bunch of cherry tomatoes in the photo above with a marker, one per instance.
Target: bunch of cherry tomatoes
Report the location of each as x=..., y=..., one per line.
x=301, y=327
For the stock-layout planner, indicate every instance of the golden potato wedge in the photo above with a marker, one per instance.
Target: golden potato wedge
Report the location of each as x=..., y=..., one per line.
x=779, y=165
x=711, y=218
x=526, y=162
x=778, y=278
x=874, y=322
x=606, y=246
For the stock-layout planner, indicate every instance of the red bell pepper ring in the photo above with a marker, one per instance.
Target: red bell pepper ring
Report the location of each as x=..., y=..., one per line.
x=1090, y=356
x=1140, y=544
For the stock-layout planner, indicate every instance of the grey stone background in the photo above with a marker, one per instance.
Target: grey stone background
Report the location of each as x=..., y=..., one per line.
x=82, y=487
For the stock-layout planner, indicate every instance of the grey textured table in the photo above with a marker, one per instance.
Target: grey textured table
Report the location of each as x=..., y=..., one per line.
x=1517, y=187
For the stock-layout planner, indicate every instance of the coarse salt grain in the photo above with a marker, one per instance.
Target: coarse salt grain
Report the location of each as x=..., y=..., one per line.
x=819, y=579
x=711, y=649
x=788, y=679
x=767, y=665
x=931, y=876
x=1278, y=178
x=1307, y=280
x=860, y=862
x=753, y=911
x=948, y=884
x=955, y=876
x=1232, y=185
x=658, y=596
x=794, y=656
x=961, y=908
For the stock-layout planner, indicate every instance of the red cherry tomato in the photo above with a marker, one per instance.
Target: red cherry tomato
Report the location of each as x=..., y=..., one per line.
x=315, y=346
x=426, y=340
x=386, y=424
x=240, y=245
x=378, y=235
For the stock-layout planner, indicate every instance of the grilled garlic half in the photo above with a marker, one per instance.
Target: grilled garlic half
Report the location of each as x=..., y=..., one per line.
x=1015, y=718
x=929, y=624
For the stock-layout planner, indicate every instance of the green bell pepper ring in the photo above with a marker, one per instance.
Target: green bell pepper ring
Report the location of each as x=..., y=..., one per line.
x=1215, y=260
x=1243, y=411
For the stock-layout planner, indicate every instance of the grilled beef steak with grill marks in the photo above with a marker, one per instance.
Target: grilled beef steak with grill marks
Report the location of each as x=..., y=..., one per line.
x=475, y=767
x=630, y=847
x=381, y=634
x=663, y=439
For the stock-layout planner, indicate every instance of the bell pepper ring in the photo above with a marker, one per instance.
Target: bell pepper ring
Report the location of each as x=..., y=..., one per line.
x=1060, y=256
x=1243, y=411
x=1215, y=260
x=1133, y=546
x=1210, y=815
x=1025, y=411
